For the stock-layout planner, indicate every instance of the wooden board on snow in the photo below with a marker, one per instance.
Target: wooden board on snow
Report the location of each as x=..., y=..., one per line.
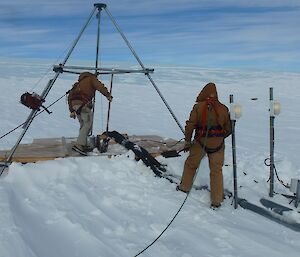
x=52, y=148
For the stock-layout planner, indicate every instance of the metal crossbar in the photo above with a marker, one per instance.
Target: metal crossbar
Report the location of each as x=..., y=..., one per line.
x=58, y=69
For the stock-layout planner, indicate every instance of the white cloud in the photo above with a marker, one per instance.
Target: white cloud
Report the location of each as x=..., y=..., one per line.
x=162, y=30
x=71, y=7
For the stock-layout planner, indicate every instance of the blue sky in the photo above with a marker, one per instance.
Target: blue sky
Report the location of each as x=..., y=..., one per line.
x=256, y=34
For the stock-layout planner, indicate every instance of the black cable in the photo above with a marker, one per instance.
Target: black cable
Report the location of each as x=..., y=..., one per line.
x=165, y=227
x=184, y=201
x=285, y=185
x=34, y=116
x=12, y=130
x=187, y=195
x=277, y=176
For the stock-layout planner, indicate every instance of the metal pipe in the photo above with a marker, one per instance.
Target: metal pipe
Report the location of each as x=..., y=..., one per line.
x=142, y=65
x=235, y=190
x=124, y=37
x=124, y=72
x=109, y=103
x=106, y=72
x=79, y=36
x=96, y=65
x=52, y=81
x=44, y=95
x=271, y=192
x=98, y=37
x=61, y=68
x=165, y=102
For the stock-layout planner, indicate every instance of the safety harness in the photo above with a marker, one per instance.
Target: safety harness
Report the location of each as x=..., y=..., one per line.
x=207, y=130
x=76, y=94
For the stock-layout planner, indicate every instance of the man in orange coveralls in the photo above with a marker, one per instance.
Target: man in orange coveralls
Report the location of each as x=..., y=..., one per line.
x=211, y=122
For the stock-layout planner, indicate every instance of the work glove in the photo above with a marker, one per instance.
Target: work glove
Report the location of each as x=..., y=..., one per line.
x=187, y=146
x=109, y=98
x=73, y=115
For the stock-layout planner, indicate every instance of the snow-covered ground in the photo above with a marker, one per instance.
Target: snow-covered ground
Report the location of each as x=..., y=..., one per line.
x=95, y=206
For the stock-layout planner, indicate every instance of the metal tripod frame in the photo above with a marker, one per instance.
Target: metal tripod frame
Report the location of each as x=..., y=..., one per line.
x=58, y=69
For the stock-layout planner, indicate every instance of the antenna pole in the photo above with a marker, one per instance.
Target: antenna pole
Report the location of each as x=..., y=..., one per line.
x=235, y=190
x=272, y=117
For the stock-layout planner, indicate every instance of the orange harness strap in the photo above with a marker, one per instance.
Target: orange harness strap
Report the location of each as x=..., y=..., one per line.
x=210, y=102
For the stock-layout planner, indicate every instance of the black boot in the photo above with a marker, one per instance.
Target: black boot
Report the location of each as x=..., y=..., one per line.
x=179, y=189
x=215, y=206
x=79, y=149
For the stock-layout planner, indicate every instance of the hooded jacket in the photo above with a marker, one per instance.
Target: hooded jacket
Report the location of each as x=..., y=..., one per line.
x=219, y=115
x=84, y=90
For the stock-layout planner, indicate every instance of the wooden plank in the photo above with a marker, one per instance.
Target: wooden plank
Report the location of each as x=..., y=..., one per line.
x=51, y=148
x=30, y=159
x=39, y=149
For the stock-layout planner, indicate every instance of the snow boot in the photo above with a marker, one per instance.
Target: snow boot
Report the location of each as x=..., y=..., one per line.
x=79, y=149
x=215, y=206
x=179, y=189
x=88, y=148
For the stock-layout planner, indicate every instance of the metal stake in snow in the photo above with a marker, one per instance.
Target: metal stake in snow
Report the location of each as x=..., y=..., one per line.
x=235, y=113
x=274, y=110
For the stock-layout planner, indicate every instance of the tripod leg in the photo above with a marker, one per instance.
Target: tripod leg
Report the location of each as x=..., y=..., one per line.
x=97, y=61
x=43, y=96
x=142, y=65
